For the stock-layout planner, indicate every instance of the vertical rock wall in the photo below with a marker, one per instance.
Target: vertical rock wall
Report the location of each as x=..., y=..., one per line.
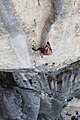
x=13, y=41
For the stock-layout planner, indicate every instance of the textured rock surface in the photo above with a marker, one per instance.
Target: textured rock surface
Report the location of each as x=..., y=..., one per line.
x=70, y=110
x=33, y=95
x=18, y=23
x=27, y=23
x=64, y=35
x=21, y=104
x=38, y=93
x=13, y=46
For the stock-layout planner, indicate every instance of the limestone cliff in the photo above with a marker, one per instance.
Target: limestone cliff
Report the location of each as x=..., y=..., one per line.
x=32, y=87
x=27, y=23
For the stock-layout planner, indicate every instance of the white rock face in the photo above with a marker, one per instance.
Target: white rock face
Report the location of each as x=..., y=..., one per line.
x=34, y=18
x=64, y=35
x=13, y=41
x=74, y=103
x=24, y=23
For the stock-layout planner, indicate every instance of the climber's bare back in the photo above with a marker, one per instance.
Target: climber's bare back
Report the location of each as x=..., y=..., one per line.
x=46, y=50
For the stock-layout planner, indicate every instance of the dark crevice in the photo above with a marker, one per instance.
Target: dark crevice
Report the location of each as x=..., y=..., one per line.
x=30, y=81
x=42, y=117
x=7, y=80
x=51, y=19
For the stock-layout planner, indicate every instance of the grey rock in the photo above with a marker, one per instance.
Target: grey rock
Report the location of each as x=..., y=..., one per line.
x=51, y=108
x=21, y=100
x=31, y=104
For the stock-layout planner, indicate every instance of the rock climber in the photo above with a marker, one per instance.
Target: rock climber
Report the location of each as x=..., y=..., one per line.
x=46, y=50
